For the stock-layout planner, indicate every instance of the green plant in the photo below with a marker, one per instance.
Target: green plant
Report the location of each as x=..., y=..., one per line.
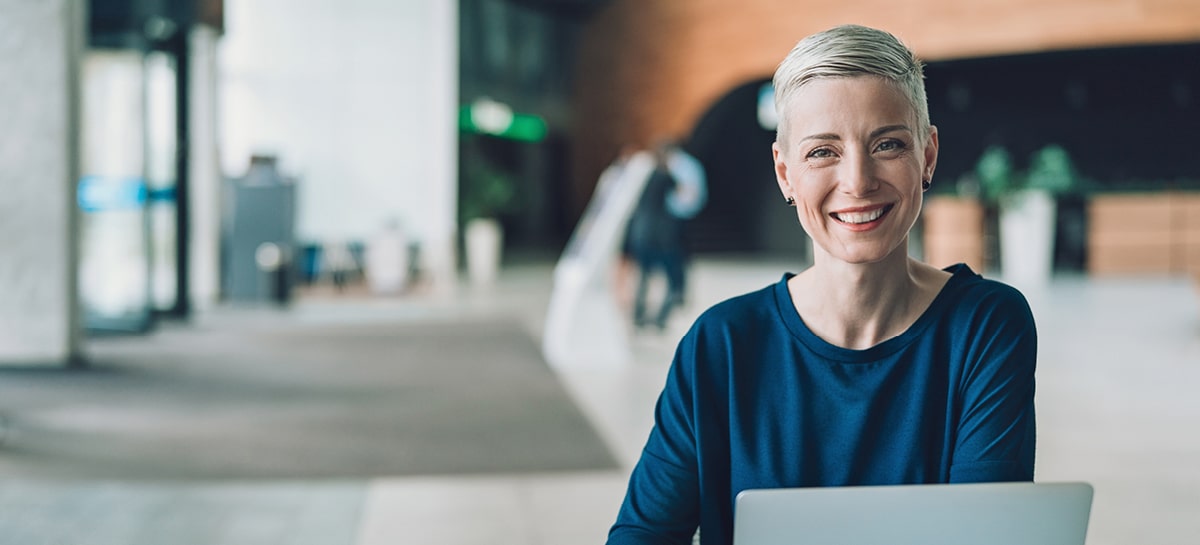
x=486, y=191
x=1050, y=170
x=995, y=172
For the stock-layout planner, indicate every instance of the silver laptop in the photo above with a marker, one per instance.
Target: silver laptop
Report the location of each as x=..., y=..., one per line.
x=928, y=514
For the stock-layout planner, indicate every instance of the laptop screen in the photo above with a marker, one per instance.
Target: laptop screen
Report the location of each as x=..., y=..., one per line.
x=933, y=514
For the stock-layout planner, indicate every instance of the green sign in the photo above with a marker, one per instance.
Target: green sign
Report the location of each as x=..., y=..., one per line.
x=496, y=119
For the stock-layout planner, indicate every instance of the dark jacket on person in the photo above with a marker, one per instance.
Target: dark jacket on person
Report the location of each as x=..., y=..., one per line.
x=652, y=227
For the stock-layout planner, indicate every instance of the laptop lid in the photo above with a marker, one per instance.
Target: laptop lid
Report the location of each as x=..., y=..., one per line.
x=929, y=514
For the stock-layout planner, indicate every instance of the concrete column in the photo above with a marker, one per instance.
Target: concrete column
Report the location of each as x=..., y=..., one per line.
x=205, y=170
x=443, y=228
x=40, y=48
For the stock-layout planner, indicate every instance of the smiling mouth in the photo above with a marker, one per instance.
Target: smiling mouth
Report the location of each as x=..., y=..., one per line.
x=859, y=218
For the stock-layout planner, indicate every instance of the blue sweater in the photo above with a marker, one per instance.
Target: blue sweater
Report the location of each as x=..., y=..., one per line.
x=754, y=399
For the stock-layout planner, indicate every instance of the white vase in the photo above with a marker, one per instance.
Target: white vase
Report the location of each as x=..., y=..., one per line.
x=1027, y=238
x=386, y=262
x=484, y=239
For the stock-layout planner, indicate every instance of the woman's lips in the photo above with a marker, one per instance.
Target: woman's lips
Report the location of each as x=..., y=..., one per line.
x=861, y=216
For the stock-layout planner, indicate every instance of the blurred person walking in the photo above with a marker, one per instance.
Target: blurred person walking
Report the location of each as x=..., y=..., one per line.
x=630, y=168
x=675, y=191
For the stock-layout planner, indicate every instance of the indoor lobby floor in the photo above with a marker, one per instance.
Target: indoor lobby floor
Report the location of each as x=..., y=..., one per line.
x=1119, y=369
x=1119, y=366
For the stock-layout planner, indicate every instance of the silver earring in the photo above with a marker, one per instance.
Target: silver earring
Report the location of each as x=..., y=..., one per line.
x=791, y=202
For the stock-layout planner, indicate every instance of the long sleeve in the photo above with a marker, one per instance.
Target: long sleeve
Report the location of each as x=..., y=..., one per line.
x=662, y=504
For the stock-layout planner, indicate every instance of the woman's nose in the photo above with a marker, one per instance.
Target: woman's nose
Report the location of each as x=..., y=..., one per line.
x=856, y=177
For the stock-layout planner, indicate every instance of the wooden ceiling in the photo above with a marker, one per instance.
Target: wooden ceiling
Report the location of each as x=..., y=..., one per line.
x=648, y=68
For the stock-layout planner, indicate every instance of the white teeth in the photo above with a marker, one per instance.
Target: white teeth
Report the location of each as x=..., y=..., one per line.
x=860, y=217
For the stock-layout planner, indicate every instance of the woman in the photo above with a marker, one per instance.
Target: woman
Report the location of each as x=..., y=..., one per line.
x=868, y=368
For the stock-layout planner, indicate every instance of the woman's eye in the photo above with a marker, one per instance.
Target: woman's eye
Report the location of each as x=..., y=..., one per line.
x=890, y=145
x=820, y=153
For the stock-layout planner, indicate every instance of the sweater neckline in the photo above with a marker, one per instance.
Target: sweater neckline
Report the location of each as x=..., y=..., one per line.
x=960, y=274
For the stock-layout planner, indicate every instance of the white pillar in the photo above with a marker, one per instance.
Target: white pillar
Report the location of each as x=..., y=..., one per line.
x=204, y=174
x=441, y=242
x=40, y=48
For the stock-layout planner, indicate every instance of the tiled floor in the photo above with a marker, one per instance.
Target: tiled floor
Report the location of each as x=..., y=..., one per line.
x=1119, y=369
x=243, y=513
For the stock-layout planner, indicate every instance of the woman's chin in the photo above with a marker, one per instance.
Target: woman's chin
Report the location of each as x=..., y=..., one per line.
x=866, y=254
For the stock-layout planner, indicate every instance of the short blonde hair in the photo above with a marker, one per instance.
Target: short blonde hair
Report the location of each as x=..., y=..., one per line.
x=849, y=51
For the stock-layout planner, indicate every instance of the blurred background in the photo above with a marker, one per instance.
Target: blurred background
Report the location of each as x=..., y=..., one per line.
x=280, y=271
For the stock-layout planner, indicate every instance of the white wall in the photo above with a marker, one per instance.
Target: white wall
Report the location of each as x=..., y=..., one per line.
x=40, y=46
x=358, y=98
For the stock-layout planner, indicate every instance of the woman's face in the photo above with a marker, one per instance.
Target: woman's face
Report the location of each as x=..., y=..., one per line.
x=853, y=161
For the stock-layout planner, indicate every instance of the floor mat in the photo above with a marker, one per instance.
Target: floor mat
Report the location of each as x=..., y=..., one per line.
x=301, y=401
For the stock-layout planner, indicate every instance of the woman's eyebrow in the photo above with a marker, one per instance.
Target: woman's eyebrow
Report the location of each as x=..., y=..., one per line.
x=875, y=133
x=889, y=128
x=822, y=136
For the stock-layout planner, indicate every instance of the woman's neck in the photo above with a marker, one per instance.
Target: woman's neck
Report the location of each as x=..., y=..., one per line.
x=858, y=306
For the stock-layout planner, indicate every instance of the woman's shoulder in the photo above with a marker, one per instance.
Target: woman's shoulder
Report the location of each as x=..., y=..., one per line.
x=730, y=330
x=970, y=281
x=745, y=309
x=969, y=291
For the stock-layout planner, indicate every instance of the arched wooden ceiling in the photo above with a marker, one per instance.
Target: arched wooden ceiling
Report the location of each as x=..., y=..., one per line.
x=648, y=68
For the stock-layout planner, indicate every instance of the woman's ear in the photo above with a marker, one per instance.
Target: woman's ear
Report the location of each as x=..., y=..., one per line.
x=781, y=174
x=931, y=152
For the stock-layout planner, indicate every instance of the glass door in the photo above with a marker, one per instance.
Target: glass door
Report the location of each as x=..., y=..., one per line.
x=114, y=268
